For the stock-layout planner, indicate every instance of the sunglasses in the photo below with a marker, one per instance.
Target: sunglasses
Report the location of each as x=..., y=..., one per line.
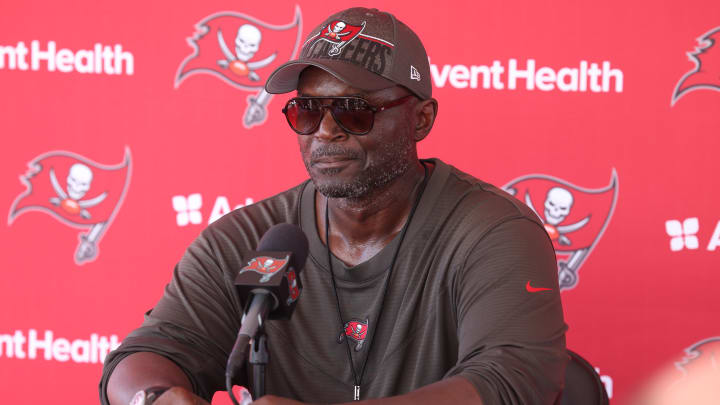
x=353, y=114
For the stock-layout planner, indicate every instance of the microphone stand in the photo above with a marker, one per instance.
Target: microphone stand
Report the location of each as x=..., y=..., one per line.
x=259, y=359
x=251, y=331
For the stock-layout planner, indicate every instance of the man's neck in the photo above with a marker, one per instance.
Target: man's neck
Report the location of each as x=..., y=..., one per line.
x=361, y=227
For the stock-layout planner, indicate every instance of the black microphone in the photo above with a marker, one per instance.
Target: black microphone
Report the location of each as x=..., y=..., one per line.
x=269, y=286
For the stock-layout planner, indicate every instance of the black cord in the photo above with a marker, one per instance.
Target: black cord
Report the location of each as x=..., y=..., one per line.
x=358, y=381
x=228, y=387
x=337, y=298
x=237, y=355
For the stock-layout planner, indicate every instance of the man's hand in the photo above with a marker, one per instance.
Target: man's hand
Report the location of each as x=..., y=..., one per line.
x=179, y=396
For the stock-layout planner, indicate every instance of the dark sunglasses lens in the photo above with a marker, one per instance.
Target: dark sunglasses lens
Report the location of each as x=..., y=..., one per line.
x=353, y=114
x=303, y=115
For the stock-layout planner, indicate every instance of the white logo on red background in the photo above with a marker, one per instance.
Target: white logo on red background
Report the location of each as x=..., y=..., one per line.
x=32, y=345
x=101, y=59
x=592, y=77
x=684, y=234
x=188, y=208
x=706, y=75
x=574, y=217
x=242, y=51
x=76, y=191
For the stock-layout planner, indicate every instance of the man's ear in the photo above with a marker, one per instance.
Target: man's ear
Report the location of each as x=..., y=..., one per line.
x=426, y=111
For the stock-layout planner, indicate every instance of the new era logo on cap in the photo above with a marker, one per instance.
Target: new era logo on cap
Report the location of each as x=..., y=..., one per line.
x=414, y=74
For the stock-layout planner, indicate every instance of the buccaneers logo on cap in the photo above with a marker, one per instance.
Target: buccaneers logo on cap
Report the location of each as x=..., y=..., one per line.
x=266, y=266
x=574, y=217
x=76, y=191
x=340, y=34
x=706, y=74
x=355, y=330
x=242, y=51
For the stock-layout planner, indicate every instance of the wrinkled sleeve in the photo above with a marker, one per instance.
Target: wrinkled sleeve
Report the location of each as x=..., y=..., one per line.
x=194, y=323
x=511, y=330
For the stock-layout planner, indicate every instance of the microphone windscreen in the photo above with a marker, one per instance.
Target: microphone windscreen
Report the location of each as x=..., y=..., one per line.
x=286, y=237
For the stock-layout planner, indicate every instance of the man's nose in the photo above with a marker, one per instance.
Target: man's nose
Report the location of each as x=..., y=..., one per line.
x=329, y=130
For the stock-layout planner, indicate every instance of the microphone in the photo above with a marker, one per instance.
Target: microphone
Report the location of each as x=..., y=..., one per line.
x=269, y=286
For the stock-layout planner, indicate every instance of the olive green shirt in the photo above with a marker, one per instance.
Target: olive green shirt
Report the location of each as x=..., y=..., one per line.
x=457, y=304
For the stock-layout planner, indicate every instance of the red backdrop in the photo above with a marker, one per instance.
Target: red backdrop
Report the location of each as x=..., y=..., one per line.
x=123, y=137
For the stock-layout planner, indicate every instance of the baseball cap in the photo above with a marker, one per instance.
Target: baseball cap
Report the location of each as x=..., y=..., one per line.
x=366, y=48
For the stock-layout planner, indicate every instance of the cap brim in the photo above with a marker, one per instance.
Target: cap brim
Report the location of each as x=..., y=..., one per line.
x=285, y=78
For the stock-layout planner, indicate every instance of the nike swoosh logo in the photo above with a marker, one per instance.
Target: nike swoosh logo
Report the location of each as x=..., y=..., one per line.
x=532, y=289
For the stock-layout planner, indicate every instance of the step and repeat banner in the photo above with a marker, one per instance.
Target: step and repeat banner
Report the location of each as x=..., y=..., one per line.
x=128, y=128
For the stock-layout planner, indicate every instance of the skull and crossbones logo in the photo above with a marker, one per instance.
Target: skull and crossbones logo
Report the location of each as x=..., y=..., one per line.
x=355, y=330
x=247, y=44
x=557, y=206
x=336, y=31
x=266, y=266
x=78, y=183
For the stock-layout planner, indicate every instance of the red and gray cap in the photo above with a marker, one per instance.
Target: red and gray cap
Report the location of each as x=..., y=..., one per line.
x=366, y=48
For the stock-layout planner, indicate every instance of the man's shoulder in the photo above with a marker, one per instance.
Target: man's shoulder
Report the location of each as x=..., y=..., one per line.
x=484, y=202
x=251, y=221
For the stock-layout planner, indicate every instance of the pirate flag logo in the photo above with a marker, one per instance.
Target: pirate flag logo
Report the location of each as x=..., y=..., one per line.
x=355, y=330
x=267, y=267
x=242, y=51
x=76, y=191
x=706, y=74
x=698, y=382
x=574, y=217
x=701, y=357
x=340, y=33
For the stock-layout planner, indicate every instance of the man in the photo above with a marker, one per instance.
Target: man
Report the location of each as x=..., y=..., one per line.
x=428, y=289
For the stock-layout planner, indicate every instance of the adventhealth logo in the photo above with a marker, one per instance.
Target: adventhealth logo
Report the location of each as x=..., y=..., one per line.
x=684, y=234
x=33, y=345
x=188, y=208
x=101, y=59
x=585, y=77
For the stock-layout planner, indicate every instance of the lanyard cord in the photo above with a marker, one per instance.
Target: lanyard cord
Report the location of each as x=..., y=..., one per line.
x=356, y=379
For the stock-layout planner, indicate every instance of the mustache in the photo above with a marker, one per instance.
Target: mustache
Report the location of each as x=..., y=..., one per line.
x=331, y=150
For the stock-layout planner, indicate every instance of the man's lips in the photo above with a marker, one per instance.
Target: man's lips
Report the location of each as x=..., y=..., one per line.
x=332, y=161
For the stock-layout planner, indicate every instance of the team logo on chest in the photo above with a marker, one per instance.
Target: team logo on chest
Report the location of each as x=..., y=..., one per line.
x=355, y=330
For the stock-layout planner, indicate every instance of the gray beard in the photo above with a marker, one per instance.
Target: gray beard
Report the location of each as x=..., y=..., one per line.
x=394, y=162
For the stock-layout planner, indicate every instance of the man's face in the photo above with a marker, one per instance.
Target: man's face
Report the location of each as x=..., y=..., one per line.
x=342, y=165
